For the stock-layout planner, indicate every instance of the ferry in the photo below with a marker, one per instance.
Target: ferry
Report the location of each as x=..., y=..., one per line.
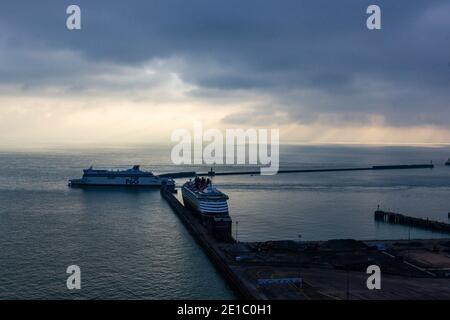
x=133, y=177
x=201, y=196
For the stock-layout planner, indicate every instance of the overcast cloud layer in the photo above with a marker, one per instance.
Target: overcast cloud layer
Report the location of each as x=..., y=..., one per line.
x=282, y=62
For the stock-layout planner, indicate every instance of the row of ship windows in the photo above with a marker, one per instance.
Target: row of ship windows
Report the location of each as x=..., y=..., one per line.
x=214, y=202
x=118, y=176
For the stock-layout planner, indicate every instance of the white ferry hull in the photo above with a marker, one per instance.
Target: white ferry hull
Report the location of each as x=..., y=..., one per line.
x=126, y=178
x=121, y=181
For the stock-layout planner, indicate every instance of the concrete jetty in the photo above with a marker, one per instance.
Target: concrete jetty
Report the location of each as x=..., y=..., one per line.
x=397, y=218
x=208, y=242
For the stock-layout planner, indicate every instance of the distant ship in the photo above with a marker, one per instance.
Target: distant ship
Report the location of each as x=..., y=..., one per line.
x=133, y=177
x=447, y=163
x=201, y=196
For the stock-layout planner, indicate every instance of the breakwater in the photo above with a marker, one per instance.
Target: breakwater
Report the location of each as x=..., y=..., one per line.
x=210, y=245
x=233, y=173
x=397, y=218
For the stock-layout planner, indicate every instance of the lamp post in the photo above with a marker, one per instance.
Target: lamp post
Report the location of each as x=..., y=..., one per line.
x=300, y=260
x=348, y=284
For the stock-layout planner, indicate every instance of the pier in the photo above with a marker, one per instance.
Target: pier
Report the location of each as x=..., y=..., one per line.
x=209, y=244
x=397, y=218
x=188, y=174
x=333, y=269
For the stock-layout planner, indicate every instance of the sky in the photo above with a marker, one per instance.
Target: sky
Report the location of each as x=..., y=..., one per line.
x=138, y=70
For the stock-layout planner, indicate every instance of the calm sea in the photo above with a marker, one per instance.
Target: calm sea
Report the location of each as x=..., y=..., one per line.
x=130, y=245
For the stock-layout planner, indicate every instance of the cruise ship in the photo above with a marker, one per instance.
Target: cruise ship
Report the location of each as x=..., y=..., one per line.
x=201, y=196
x=210, y=205
x=133, y=177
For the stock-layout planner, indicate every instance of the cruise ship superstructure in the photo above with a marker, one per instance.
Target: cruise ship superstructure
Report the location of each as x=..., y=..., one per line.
x=201, y=196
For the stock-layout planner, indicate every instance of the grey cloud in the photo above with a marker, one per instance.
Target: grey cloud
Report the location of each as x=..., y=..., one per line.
x=311, y=58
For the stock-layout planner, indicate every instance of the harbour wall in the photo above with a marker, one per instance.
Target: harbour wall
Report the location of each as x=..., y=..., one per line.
x=208, y=243
x=188, y=174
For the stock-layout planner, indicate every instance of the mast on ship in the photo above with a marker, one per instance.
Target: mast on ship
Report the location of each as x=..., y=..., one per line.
x=211, y=174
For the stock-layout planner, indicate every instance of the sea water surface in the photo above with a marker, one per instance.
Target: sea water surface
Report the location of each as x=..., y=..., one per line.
x=129, y=244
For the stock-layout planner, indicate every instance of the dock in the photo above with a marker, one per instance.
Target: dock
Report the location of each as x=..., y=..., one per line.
x=323, y=270
x=208, y=243
x=397, y=218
